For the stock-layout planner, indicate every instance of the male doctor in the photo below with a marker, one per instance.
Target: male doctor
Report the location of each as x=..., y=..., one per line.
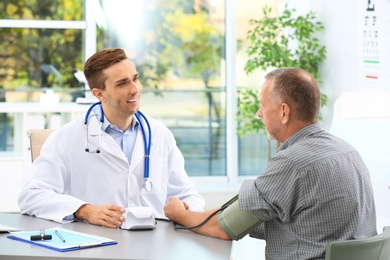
x=66, y=182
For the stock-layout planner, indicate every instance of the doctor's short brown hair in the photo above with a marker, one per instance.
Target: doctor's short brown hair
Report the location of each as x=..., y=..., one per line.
x=94, y=66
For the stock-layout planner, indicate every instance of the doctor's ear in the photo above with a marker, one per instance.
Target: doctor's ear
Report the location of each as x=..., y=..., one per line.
x=98, y=93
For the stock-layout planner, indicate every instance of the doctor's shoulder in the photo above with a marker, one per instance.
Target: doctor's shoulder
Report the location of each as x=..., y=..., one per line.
x=157, y=127
x=65, y=132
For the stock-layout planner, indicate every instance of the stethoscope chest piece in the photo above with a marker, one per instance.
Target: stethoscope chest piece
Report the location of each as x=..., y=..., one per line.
x=148, y=185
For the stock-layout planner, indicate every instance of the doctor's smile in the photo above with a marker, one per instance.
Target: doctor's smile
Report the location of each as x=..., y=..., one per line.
x=132, y=101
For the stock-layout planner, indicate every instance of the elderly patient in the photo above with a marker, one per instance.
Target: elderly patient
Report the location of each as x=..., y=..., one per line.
x=315, y=190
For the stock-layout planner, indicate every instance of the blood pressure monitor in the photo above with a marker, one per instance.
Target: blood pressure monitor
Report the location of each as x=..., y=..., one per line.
x=237, y=223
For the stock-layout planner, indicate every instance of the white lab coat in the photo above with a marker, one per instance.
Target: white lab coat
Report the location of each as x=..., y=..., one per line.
x=64, y=176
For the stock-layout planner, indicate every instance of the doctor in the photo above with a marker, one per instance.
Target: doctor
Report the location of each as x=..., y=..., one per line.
x=92, y=170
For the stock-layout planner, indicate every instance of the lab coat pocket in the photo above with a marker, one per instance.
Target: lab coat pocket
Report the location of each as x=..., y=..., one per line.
x=158, y=175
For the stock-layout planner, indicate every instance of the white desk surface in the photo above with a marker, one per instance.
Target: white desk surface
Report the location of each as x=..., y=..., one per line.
x=161, y=243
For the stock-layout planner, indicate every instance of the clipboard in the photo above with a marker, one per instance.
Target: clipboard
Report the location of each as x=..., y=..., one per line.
x=7, y=229
x=73, y=240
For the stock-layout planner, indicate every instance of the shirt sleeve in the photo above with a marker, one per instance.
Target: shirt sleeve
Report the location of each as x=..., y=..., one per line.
x=44, y=192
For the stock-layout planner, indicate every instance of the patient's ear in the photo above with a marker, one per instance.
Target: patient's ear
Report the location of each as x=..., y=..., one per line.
x=285, y=112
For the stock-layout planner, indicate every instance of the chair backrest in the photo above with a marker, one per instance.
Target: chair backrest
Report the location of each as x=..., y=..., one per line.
x=372, y=248
x=37, y=138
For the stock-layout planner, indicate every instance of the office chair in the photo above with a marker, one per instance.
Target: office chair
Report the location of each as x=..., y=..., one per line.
x=37, y=138
x=371, y=248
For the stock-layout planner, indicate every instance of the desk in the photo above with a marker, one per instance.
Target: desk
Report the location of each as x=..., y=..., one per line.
x=161, y=243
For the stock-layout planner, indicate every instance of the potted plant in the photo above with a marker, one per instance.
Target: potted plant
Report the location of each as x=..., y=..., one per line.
x=288, y=40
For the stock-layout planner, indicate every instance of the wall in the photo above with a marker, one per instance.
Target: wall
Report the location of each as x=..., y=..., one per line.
x=339, y=71
x=344, y=69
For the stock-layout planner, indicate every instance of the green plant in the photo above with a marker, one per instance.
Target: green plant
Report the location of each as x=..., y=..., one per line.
x=27, y=55
x=288, y=40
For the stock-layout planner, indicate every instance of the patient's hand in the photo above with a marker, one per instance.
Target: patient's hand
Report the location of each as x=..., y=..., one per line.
x=175, y=208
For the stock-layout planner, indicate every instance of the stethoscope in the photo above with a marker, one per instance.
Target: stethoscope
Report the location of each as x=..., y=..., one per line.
x=148, y=185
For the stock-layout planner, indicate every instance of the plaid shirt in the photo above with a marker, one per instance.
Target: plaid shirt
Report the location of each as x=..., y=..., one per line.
x=314, y=191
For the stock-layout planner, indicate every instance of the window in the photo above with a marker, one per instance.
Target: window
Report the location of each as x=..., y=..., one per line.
x=41, y=48
x=254, y=149
x=190, y=55
x=178, y=47
x=42, y=10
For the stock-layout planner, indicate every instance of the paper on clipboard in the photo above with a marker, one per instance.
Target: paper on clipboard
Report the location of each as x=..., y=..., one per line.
x=6, y=229
x=73, y=240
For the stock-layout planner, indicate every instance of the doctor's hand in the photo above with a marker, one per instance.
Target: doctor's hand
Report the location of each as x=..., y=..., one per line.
x=103, y=215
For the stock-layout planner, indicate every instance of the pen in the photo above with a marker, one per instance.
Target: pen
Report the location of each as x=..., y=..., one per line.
x=86, y=245
x=60, y=236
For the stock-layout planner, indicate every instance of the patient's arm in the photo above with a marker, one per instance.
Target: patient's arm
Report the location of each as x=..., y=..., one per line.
x=231, y=223
x=176, y=211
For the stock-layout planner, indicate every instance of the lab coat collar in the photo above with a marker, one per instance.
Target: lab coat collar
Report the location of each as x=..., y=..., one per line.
x=93, y=125
x=106, y=123
x=109, y=144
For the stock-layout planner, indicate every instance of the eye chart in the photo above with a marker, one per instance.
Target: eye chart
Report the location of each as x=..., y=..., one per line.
x=374, y=44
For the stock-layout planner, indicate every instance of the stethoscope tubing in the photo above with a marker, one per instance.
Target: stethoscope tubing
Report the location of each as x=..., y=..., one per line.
x=86, y=148
x=147, y=143
x=89, y=112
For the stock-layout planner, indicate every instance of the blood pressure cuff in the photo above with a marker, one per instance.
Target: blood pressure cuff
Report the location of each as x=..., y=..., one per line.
x=237, y=223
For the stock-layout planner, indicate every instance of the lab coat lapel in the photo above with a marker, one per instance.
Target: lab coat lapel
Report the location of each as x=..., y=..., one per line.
x=138, y=151
x=93, y=125
x=108, y=143
x=110, y=146
x=93, y=132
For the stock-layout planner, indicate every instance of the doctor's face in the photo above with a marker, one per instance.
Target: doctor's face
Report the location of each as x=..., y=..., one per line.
x=123, y=89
